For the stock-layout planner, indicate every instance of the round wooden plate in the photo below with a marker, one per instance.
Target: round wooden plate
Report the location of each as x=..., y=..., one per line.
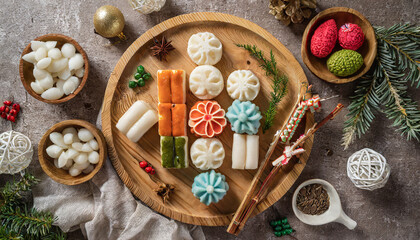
x=183, y=206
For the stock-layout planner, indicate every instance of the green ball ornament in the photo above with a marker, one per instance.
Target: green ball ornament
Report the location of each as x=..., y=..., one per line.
x=146, y=76
x=285, y=226
x=137, y=76
x=140, y=69
x=284, y=221
x=273, y=223
x=141, y=82
x=132, y=84
x=278, y=228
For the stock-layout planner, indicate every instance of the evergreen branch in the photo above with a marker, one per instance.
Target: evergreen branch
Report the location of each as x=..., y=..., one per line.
x=9, y=235
x=361, y=110
x=12, y=192
x=401, y=42
x=27, y=221
x=396, y=64
x=279, y=82
x=17, y=220
x=393, y=97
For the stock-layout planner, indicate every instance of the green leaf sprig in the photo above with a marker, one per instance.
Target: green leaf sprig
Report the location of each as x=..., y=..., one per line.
x=279, y=82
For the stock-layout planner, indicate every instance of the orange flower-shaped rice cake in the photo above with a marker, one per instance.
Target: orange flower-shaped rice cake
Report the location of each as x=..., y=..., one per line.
x=207, y=119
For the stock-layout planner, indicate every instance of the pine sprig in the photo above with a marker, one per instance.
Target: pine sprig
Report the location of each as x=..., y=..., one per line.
x=27, y=221
x=12, y=191
x=279, y=82
x=397, y=63
x=19, y=221
x=9, y=235
x=361, y=110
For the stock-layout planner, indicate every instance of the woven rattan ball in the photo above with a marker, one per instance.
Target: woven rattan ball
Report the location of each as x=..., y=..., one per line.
x=15, y=152
x=368, y=169
x=147, y=6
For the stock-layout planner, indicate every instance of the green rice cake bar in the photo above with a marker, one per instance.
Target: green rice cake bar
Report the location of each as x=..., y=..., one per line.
x=181, y=152
x=167, y=151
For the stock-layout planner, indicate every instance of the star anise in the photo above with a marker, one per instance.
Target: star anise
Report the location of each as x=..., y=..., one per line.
x=164, y=190
x=161, y=49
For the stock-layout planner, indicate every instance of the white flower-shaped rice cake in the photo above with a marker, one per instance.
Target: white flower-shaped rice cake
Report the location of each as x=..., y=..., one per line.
x=207, y=153
x=243, y=85
x=204, y=48
x=206, y=82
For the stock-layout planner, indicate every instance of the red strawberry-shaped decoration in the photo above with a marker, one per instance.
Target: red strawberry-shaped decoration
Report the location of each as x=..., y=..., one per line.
x=7, y=103
x=4, y=115
x=350, y=36
x=2, y=108
x=152, y=172
x=324, y=39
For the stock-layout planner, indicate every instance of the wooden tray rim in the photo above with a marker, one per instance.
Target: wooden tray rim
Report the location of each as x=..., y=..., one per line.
x=177, y=21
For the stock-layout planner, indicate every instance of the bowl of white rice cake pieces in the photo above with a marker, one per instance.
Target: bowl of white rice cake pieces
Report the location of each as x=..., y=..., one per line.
x=72, y=151
x=53, y=68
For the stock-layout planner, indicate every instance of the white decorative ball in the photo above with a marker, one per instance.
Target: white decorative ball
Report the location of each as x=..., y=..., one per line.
x=368, y=169
x=147, y=6
x=15, y=152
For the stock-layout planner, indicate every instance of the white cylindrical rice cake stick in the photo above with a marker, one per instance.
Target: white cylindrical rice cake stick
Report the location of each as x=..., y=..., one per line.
x=133, y=114
x=139, y=128
x=252, y=146
x=238, y=151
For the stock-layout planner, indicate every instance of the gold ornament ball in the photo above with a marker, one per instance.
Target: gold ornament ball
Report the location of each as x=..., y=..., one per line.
x=108, y=21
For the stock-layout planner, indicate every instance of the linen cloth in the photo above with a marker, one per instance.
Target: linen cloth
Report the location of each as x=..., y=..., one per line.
x=104, y=208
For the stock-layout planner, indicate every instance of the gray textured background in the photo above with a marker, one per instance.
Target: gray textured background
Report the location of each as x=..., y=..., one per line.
x=388, y=213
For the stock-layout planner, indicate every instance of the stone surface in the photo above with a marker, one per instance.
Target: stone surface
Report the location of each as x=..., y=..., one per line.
x=388, y=213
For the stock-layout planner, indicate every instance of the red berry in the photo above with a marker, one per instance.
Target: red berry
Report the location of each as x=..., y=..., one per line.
x=6, y=110
x=143, y=164
x=11, y=118
x=148, y=169
x=4, y=115
x=7, y=103
x=13, y=112
x=152, y=172
x=2, y=108
x=16, y=106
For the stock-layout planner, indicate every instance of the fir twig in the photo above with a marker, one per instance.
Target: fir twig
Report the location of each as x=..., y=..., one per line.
x=361, y=110
x=19, y=221
x=397, y=63
x=10, y=235
x=12, y=191
x=279, y=82
x=28, y=221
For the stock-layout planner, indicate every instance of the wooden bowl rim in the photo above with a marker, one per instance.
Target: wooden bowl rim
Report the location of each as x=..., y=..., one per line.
x=78, y=49
x=78, y=123
x=320, y=16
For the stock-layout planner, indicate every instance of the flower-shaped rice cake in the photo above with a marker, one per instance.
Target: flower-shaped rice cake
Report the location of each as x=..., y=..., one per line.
x=207, y=119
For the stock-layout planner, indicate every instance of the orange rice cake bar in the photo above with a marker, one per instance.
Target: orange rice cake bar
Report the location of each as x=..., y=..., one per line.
x=164, y=86
x=179, y=120
x=178, y=86
x=165, y=119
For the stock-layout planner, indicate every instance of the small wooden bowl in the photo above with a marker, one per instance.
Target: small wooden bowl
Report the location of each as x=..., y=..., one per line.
x=61, y=175
x=341, y=15
x=26, y=68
